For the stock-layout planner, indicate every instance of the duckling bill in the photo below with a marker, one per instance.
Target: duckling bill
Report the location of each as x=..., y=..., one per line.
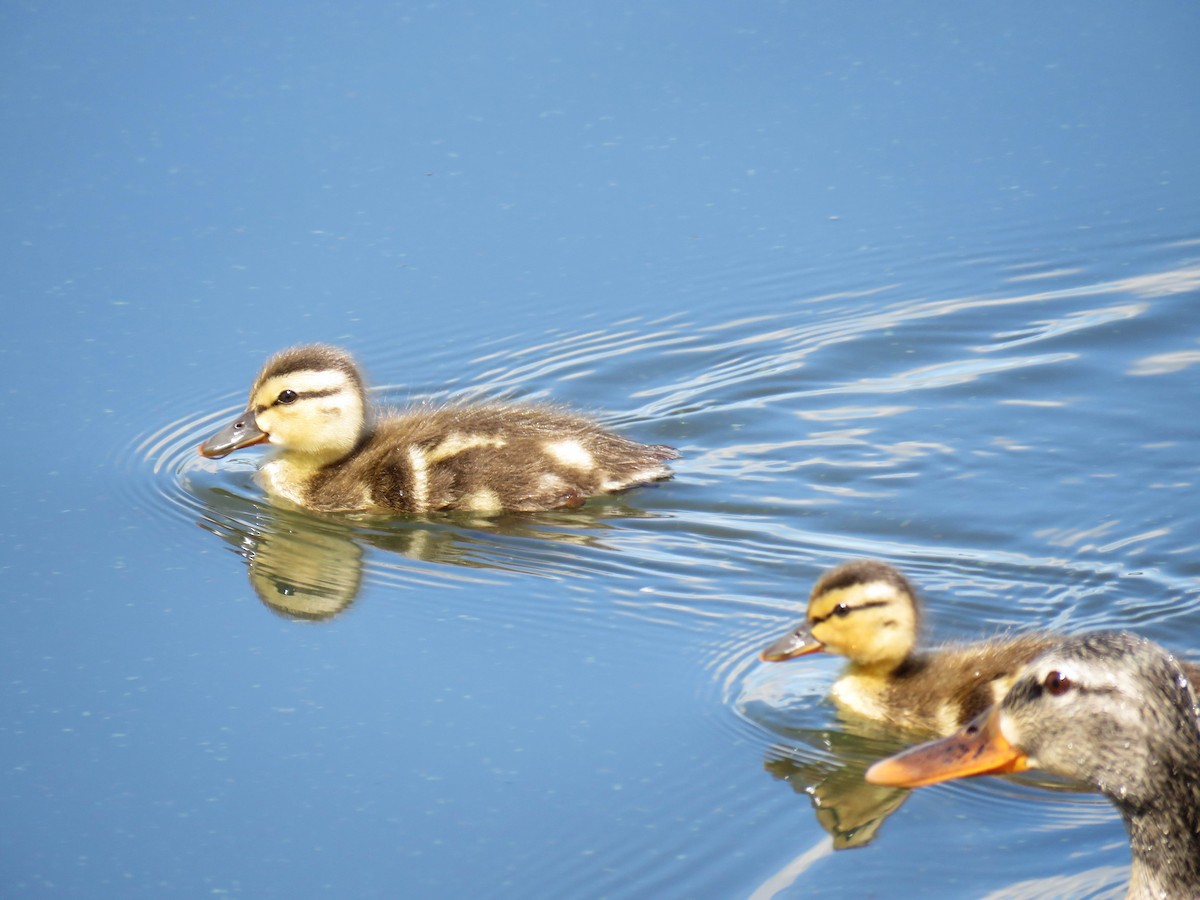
x=336, y=455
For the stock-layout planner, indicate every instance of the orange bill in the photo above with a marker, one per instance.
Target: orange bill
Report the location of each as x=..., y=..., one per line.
x=979, y=749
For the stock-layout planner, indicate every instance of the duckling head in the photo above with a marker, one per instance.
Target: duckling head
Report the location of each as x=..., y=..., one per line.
x=1109, y=708
x=307, y=400
x=864, y=610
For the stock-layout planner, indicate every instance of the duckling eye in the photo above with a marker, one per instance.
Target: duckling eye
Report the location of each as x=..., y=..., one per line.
x=1057, y=684
x=841, y=610
x=287, y=396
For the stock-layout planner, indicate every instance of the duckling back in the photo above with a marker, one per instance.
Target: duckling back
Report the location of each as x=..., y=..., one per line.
x=486, y=459
x=940, y=691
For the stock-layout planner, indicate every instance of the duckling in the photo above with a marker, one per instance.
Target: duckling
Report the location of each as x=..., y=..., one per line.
x=1110, y=709
x=336, y=456
x=868, y=612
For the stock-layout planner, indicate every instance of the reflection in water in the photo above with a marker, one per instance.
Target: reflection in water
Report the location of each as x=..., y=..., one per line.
x=960, y=435
x=849, y=809
x=824, y=764
x=301, y=571
x=1102, y=881
x=310, y=566
x=786, y=877
x=822, y=751
x=828, y=766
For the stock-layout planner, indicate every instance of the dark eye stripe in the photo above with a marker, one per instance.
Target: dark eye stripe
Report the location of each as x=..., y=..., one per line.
x=1032, y=687
x=300, y=395
x=817, y=620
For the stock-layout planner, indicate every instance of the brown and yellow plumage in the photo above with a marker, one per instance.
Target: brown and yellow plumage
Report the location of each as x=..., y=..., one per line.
x=335, y=455
x=867, y=611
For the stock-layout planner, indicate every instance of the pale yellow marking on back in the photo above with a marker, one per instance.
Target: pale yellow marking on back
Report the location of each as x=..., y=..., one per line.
x=482, y=500
x=548, y=482
x=571, y=453
x=640, y=477
x=457, y=443
x=419, y=498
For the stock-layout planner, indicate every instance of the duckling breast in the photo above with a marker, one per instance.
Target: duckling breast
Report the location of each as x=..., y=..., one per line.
x=863, y=695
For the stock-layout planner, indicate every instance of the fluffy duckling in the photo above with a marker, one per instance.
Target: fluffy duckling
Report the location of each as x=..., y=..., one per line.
x=1113, y=710
x=311, y=403
x=867, y=611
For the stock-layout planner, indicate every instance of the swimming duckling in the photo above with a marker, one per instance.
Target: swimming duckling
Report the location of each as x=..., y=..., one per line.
x=1111, y=709
x=310, y=402
x=867, y=611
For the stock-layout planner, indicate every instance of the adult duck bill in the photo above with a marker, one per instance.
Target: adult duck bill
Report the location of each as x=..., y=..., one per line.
x=979, y=749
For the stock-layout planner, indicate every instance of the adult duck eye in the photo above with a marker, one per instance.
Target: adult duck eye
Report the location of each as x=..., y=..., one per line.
x=1057, y=683
x=288, y=396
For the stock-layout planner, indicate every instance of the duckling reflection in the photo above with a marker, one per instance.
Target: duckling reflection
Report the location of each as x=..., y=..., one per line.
x=311, y=566
x=306, y=575
x=849, y=809
x=832, y=774
x=300, y=568
x=868, y=612
x=334, y=455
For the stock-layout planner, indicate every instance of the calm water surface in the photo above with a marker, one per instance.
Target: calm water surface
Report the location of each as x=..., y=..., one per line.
x=920, y=288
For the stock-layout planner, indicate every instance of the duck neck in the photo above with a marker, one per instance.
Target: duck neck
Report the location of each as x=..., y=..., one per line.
x=887, y=668
x=308, y=461
x=1164, y=835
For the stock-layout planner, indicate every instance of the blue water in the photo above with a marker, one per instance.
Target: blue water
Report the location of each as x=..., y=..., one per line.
x=919, y=283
